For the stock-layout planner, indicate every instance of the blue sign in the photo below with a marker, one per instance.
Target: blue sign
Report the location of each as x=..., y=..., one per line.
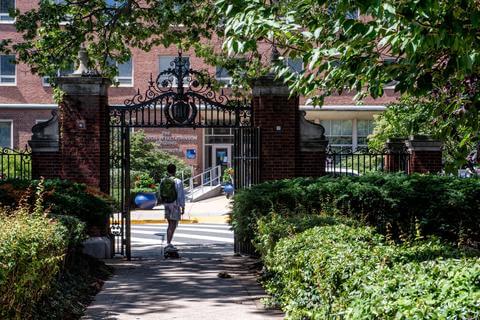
x=191, y=153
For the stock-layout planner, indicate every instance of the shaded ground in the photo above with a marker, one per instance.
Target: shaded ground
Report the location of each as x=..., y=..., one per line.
x=150, y=287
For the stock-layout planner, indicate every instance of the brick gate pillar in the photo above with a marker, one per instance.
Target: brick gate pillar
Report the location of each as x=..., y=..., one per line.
x=396, y=157
x=84, y=130
x=276, y=113
x=74, y=144
x=425, y=154
x=290, y=145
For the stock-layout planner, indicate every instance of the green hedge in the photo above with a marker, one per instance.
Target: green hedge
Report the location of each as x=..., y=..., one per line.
x=347, y=272
x=42, y=273
x=31, y=251
x=400, y=206
x=62, y=198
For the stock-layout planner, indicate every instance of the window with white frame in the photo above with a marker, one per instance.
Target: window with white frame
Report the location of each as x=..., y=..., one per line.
x=339, y=133
x=6, y=133
x=7, y=69
x=5, y=7
x=60, y=73
x=364, y=129
x=223, y=76
x=125, y=73
x=167, y=62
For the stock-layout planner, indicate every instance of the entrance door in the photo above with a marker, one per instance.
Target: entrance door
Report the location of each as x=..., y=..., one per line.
x=222, y=156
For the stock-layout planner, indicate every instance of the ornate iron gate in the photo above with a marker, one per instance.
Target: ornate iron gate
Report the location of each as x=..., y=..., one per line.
x=120, y=185
x=182, y=98
x=246, y=157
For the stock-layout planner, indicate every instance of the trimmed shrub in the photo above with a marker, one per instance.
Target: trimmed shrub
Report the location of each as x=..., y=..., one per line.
x=62, y=198
x=31, y=250
x=344, y=272
x=400, y=206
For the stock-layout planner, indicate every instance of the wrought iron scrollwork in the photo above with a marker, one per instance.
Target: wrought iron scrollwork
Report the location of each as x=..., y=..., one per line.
x=183, y=97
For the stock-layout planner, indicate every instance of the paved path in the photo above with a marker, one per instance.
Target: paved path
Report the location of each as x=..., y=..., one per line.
x=150, y=287
x=152, y=235
x=213, y=210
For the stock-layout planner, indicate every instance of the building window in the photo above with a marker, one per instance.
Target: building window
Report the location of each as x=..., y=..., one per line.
x=60, y=73
x=167, y=62
x=364, y=129
x=124, y=76
x=223, y=76
x=6, y=134
x=295, y=64
x=5, y=7
x=7, y=69
x=354, y=15
x=339, y=134
x=218, y=135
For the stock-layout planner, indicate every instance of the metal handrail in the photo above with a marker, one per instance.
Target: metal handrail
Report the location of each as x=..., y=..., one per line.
x=213, y=174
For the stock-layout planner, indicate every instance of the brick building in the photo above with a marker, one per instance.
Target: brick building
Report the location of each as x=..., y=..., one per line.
x=26, y=99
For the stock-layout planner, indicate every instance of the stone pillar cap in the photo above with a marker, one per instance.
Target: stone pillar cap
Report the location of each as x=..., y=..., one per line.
x=269, y=85
x=424, y=143
x=75, y=85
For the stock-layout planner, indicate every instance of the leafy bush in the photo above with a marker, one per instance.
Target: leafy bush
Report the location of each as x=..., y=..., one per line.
x=62, y=198
x=42, y=274
x=31, y=250
x=147, y=159
x=274, y=226
x=143, y=182
x=346, y=272
x=400, y=206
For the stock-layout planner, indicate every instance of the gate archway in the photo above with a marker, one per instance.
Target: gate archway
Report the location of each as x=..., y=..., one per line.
x=178, y=97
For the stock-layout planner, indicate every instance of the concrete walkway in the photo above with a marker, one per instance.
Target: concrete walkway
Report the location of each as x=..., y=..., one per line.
x=214, y=210
x=150, y=287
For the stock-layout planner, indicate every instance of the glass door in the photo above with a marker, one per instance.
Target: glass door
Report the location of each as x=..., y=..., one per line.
x=222, y=156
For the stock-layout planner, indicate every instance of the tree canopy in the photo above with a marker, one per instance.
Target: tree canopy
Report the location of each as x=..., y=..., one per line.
x=429, y=48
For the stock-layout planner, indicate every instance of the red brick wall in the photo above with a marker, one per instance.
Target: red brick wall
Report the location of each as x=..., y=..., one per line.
x=47, y=165
x=425, y=161
x=23, y=120
x=280, y=154
x=83, y=152
x=176, y=141
x=311, y=164
x=278, y=148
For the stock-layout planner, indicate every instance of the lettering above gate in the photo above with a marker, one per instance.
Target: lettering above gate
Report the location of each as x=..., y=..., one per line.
x=182, y=97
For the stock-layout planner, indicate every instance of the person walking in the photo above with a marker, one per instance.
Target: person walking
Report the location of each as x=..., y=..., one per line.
x=172, y=196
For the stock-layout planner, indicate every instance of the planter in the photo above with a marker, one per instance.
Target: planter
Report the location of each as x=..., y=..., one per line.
x=228, y=188
x=146, y=200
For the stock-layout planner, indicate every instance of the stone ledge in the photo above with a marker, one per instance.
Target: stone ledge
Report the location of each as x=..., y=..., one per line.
x=268, y=85
x=98, y=247
x=76, y=85
x=424, y=143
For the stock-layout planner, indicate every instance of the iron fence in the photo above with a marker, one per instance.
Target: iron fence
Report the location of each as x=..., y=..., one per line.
x=362, y=161
x=15, y=164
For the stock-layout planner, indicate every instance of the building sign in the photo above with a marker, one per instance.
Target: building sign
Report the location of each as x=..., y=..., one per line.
x=172, y=143
x=191, y=154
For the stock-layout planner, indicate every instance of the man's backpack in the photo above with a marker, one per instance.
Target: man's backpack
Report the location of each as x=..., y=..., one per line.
x=168, y=191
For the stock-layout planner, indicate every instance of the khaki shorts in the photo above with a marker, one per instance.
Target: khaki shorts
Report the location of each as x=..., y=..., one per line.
x=172, y=211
